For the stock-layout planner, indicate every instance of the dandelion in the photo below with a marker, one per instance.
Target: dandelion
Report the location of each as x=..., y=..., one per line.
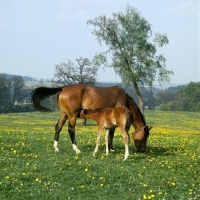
x=144, y=185
x=144, y=196
x=173, y=184
x=101, y=184
x=190, y=191
x=7, y=177
x=27, y=163
x=101, y=178
x=37, y=179
x=86, y=169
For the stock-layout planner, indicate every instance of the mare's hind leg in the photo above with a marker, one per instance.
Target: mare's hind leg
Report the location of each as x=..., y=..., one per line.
x=58, y=128
x=71, y=130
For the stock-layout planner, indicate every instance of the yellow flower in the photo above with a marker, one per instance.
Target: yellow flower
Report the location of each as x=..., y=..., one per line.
x=173, y=184
x=101, y=184
x=145, y=185
x=37, y=179
x=86, y=169
x=27, y=164
x=144, y=196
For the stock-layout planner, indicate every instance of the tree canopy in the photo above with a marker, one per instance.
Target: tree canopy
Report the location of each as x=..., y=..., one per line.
x=69, y=73
x=131, y=46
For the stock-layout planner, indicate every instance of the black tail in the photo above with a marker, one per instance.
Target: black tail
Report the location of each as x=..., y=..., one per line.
x=42, y=93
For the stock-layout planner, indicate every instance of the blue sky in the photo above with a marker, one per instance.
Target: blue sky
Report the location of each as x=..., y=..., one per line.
x=36, y=35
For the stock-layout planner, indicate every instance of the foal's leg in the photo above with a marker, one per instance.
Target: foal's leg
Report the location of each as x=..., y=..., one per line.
x=71, y=130
x=107, y=143
x=58, y=128
x=100, y=130
x=126, y=141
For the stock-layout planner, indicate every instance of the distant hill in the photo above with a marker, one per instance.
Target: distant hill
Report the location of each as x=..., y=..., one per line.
x=26, y=78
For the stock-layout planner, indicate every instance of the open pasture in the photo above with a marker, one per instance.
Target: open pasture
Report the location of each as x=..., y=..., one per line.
x=31, y=169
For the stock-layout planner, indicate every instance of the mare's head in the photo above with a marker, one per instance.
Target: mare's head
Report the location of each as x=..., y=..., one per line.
x=140, y=138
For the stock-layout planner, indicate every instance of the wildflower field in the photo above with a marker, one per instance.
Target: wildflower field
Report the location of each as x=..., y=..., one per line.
x=31, y=169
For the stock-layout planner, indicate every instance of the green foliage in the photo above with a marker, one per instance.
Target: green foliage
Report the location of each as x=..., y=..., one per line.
x=127, y=36
x=14, y=96
x=30, y=169
x=185, y=99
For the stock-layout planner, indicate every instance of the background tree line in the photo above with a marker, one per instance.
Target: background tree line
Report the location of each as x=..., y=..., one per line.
x=186, y=98
x=15, y=96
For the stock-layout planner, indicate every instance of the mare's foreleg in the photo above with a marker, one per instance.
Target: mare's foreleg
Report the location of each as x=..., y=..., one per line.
x=58, y=128
x=110, y=138
x=71, y=130
x=98, y=141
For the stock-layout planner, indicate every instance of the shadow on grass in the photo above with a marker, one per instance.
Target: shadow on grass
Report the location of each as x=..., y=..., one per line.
x=162, y=151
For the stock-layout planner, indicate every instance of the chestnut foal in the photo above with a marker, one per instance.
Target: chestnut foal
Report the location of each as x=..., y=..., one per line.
x=108, y=118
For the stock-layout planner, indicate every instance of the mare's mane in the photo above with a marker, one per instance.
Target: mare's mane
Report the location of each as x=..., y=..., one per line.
x=137, y=108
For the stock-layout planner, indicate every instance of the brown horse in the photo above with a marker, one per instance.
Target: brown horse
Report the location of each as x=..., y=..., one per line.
x=110, y=118
x=74, y=98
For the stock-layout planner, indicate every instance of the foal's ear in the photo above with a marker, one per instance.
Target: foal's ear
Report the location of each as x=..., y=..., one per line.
x=150, y=127
x=85, y=111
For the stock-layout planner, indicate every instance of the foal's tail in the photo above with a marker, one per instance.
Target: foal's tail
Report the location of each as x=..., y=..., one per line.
x=40, y=94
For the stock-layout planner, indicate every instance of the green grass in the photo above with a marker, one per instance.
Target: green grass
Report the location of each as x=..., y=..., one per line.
x=30, y=169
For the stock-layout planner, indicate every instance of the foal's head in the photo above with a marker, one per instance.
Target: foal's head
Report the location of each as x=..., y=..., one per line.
x=83, y=114
x=140, y=137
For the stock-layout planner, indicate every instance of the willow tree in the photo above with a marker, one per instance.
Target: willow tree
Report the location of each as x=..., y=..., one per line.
x=131, y=49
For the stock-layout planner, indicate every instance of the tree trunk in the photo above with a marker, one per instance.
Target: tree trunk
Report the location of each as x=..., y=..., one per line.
x=139, y=96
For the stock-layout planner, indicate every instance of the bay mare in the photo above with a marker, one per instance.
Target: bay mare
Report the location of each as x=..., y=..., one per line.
x=74, y=98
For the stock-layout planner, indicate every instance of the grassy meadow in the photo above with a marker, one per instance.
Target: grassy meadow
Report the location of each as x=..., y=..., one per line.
x=31, y=169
